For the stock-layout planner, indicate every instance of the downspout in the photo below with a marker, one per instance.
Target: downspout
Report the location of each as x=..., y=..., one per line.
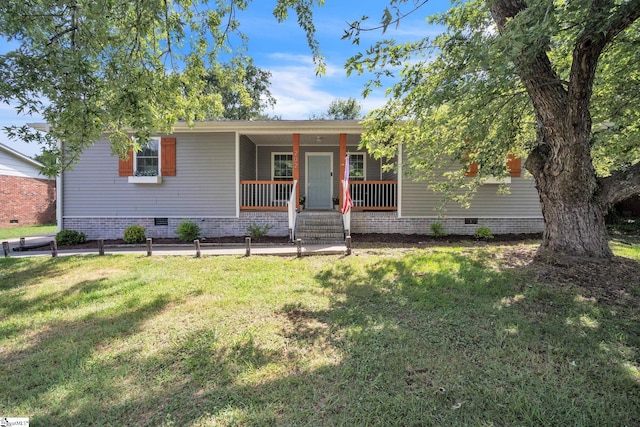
x=237, y=141
x=399, y=195
x=59, y=193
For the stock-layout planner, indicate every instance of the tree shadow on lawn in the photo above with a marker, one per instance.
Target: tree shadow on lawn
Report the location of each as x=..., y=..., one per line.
x=426, y=339
x=22, y=272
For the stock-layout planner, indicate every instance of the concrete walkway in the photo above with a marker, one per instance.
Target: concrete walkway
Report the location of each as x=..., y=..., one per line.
x=206, y=249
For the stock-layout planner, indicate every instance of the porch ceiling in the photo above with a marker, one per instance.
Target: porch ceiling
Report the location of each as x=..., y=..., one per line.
x=316, y=139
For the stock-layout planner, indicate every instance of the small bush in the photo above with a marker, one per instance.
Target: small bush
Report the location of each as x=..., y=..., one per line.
x=256, y=231
x=437, y=229
x=70, y=237
x=188, y=231
x=483, y=232
x=134, y=234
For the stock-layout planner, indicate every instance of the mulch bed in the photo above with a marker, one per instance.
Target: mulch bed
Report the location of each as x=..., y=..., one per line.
x=392, y=240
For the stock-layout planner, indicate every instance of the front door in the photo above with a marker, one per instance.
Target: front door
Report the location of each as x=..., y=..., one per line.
x=319, y=180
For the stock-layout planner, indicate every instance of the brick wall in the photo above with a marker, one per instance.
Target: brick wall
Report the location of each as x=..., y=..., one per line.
x=113, y=228
x=27, y=200
x=361, y=222
x=388, y=222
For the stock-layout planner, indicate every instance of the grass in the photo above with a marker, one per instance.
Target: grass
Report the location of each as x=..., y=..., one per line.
x=25, y=231
x=446, y=336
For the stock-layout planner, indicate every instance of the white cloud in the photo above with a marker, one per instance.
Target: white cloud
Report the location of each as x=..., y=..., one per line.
x=301, y=94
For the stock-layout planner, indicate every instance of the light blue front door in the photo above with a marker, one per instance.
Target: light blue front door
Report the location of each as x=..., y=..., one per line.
x=319, y=181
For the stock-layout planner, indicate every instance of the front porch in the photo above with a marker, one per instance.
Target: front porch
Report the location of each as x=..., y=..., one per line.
x=307, y=168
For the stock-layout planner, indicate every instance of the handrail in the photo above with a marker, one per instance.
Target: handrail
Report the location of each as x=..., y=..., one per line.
x=292, y=211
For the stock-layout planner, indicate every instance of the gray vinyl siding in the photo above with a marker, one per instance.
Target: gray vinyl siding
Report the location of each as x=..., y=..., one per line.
x=204, y=185
x=247, y=159
x=391, y=175
x=523, y=202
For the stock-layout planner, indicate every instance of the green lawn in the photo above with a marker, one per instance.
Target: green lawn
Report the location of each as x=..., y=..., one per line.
x=25, y=231
x=443, y=336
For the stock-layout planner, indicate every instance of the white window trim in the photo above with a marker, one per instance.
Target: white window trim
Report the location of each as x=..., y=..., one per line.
x=135, y=158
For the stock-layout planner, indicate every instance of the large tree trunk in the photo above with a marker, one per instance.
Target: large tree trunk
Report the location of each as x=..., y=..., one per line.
x=574, y=201
x=569, y=192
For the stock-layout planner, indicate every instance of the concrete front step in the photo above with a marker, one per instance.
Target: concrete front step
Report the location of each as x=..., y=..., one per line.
x=333, y=236
x=319, y=227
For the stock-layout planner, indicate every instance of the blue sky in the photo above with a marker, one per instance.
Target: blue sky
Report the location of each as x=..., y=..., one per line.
x=282, y=50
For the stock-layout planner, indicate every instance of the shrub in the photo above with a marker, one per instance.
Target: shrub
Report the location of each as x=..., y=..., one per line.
x=70, y=237
x=483, y=232
x=134, y=234
x=188, y=231
x=437, y=230
x=256, y=231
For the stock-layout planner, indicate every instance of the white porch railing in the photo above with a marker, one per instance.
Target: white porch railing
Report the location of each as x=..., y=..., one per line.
x=374, y=195
x=265, y=195
x=293, y=211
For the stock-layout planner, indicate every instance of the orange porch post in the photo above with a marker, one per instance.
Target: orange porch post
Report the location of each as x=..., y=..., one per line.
x=296, y=166
x=343, y=155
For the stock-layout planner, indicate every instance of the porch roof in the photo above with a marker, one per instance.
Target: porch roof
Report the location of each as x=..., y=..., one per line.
x=280, y=132
x=273, y=132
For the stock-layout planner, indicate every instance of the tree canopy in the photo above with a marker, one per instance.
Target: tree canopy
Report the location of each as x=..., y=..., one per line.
x=244, y=91
x=555, y=82
x=341, y=109
x=90, y=68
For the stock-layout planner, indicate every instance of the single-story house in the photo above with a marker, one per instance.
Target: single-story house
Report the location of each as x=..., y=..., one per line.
x=227, y=175
x=26, y=197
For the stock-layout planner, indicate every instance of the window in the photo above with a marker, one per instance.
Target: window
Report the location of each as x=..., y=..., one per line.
x=148, y=160
x=282, y=171
x=158, y=158
x=282, y=166
x=356, y=167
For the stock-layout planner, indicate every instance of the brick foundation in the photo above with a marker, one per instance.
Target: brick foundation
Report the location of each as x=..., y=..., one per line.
x=361, y=222
x=28, y=201
x=388, y=222
x=113, y=228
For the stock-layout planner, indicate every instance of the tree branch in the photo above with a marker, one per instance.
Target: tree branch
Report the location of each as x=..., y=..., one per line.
x=597, y=33
x=620, y=186
x=534, y=67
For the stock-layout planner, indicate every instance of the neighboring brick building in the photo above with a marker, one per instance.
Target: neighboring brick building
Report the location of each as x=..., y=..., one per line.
x=26, y=197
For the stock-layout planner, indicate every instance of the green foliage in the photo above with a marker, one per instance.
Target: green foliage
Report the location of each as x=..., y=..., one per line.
x=109, y=67
x=256, y=231
x=134, y=234
x=341, y=109
x=437, y=229
x=244, y=90
x=462, y=96
x=188, y=231
x=483, y=233
x=70, y=237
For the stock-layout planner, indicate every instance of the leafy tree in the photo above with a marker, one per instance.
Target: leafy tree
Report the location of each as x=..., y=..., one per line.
x=344, y=109
x=244, y=90
x=557, y=82
x=90, y=68
x=340, y=109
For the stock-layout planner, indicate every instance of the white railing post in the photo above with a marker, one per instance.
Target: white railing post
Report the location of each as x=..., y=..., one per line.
x=291, y=208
